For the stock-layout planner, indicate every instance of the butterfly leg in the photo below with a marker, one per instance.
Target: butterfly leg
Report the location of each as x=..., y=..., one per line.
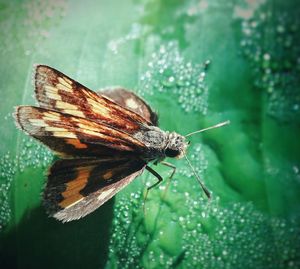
x=173, y=167
x=157, y=175
x=160, y=179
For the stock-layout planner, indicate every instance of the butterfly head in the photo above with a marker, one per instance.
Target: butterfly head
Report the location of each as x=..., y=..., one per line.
x=176, y=146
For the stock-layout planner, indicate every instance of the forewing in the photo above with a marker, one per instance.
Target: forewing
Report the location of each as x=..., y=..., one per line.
x=76, y=187
x=57, y=91
x=131, y=101
x=74, y=136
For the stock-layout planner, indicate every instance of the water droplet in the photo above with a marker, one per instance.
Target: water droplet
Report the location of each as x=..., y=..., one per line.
x=267, y=57
x=280, y=29
x=183, y=79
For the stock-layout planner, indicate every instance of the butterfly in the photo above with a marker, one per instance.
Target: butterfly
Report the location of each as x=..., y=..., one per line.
x=104, y=141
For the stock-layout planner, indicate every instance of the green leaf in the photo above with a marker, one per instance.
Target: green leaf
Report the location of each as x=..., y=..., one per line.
x=197, y=63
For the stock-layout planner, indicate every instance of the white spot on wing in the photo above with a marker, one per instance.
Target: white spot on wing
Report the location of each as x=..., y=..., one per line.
x=52, y=93
x=38, y=122
x=98, y=108
x=131, y=103
x=55, y=129
x=64, y=84
x=65, y=105
x=73, y=112
x=51, y=115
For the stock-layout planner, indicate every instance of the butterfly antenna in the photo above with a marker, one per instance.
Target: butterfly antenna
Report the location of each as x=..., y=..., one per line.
x=208, y=128
x=207, y=193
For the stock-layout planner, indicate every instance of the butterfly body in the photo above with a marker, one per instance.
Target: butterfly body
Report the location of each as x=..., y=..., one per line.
x=105, y=141
x=161, y=144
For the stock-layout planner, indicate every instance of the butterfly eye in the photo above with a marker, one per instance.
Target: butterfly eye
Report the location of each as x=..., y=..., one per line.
x=172, y=152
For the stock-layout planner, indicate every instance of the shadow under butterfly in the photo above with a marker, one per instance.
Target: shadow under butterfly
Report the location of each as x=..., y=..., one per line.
x=105, y=141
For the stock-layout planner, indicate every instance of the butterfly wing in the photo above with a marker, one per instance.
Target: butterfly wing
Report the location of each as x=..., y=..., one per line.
x=76, y=187
x=131, y=101
x=95, y=131
x=56, y=91
x=69, y=135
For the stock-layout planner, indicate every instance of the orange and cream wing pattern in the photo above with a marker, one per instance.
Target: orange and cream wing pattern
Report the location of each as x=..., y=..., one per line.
x=56, y=91
x=70, y=135
x=95, y=136
x=76, y=187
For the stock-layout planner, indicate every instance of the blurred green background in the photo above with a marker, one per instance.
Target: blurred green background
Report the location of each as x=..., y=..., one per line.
x=196, y=63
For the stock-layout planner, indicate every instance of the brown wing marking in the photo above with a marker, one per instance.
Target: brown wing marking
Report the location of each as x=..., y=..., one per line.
x=56, y=91
x=76, y=187
x=69, y=134
x=131, y=101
